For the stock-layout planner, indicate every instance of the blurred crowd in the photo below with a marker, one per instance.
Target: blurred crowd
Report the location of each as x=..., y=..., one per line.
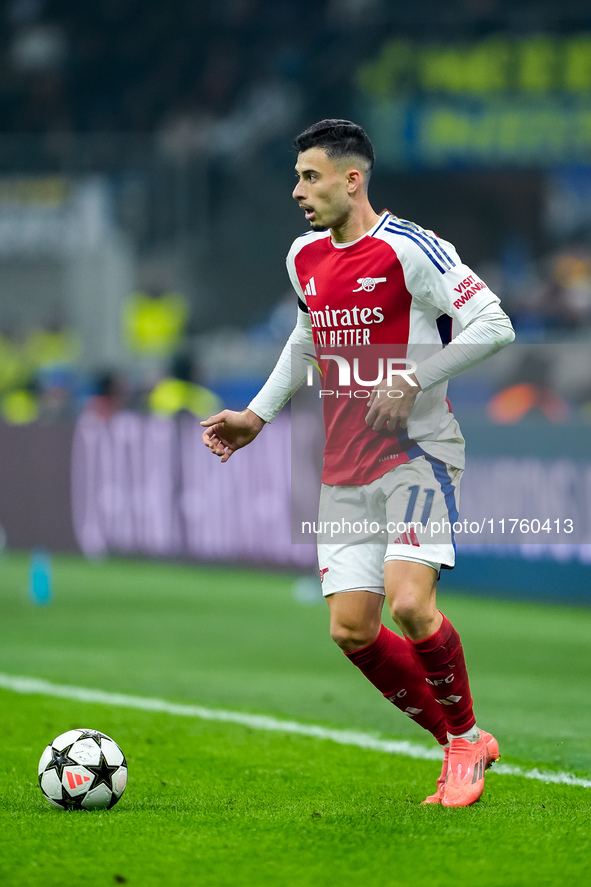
x=42, y=374
x=203, y=70
x=170, y=372
x=548, y=297
x=225, y=78
x=200, y=71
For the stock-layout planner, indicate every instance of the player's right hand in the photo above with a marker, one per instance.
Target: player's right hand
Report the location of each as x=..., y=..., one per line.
x=229, y=431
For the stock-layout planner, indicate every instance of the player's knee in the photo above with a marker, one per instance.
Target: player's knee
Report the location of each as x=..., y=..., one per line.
x=406, y=611
x=350, y=637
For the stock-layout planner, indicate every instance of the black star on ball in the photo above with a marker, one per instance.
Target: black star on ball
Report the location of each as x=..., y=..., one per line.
x=102, y=772
x=59, y=760
x=92, y=734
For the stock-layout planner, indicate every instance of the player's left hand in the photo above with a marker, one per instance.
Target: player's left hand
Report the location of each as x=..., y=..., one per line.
x=390, y=406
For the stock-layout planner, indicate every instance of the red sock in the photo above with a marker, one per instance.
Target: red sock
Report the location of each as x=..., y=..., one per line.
x=441, y=658
x=390, y=666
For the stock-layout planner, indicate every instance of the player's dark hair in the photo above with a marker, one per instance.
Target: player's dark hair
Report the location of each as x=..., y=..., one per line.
x=339, y=138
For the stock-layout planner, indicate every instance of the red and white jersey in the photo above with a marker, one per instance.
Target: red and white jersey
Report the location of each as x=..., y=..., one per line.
x=382, y=295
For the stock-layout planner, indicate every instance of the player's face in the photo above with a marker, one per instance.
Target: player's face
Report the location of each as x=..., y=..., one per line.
x=322, y=190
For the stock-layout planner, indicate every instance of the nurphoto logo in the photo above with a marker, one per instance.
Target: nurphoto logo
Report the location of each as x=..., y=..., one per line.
x=387, y=370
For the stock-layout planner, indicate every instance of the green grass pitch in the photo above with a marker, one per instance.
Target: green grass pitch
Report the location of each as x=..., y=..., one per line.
x=215, y=804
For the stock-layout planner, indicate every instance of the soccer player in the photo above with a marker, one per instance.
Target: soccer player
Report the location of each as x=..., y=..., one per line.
x=393, y=451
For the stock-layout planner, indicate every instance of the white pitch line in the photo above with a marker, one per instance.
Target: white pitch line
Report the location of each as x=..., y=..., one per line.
x=34, y=686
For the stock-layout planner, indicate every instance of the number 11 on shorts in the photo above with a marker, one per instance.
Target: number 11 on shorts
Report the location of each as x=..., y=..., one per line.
x=414, y=495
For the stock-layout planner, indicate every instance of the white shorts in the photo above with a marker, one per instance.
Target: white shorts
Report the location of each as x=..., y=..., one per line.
x=407, y=514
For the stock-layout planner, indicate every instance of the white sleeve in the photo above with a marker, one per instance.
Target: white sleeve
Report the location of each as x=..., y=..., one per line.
x=487, y=332
x=440, y=282
x=289, y=372
x=437, y=278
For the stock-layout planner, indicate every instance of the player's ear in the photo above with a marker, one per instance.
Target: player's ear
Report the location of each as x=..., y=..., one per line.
x=354, y=180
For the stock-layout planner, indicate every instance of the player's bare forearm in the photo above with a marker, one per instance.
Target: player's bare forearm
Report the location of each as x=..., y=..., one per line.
x=390, y=405
x=229, y=431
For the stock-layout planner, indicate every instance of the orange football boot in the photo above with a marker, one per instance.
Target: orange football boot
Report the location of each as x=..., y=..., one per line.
x=437, y=798
x=467, y=764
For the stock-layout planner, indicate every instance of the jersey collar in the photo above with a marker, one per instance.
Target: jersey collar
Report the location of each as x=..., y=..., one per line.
x=383, y=216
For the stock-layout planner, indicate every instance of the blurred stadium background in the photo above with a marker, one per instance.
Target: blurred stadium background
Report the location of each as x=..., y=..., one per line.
x=145, y=212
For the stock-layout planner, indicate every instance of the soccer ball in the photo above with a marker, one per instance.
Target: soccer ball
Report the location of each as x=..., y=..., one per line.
x=83, y=770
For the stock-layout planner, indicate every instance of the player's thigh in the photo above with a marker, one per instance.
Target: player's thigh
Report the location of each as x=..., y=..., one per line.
x=422, y=499
x=351, y=567
x=355, y=618
x=411, y=590
x=351, y=515
x=353, y=584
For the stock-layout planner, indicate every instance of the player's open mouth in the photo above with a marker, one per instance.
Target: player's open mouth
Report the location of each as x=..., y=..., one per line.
x=309, y=212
